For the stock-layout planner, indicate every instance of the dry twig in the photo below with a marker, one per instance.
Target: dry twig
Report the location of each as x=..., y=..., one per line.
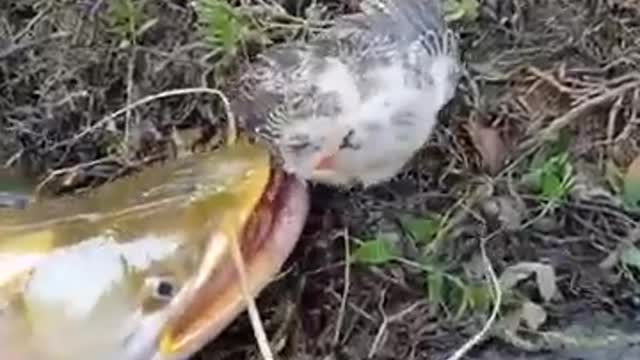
x=386, y=320
x=347, y=285
x=232, y=127
x=563, y=121
x=475, y=340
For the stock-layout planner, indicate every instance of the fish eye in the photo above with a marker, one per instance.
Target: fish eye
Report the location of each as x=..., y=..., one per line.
x=163, y=288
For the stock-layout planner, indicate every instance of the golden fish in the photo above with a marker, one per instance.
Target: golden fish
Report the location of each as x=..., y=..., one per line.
x=141, y=268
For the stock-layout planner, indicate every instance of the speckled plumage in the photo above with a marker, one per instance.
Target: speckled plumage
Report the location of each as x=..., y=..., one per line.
x=355, y=103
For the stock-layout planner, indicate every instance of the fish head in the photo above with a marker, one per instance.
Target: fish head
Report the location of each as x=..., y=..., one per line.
x=142, y=269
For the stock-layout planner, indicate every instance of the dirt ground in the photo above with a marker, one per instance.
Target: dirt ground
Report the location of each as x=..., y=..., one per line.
x=541, y=76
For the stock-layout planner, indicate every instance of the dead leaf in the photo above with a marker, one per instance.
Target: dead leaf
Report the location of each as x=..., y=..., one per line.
x=490, y=145
x=545, y=277
x=533, y=315
x=507, y=210
x=511, y=321
x=513, y=275
x=507, y=328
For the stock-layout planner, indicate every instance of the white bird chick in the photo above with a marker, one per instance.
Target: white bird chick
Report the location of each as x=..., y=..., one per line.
x=355, y=103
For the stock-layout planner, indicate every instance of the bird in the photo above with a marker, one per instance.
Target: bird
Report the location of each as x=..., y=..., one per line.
x=353, y=104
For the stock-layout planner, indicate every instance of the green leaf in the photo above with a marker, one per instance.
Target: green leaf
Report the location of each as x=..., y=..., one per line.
x=553, y=179
x=551, y=185
x=375, y=252
x=421, y=229
x=435, y=287
x=479, y=297
x=631, y=185
x=558, y=146
x=461, y=9
x=631, y=257
x=457, y=297
x=125, y=17
x=471, y=8
x=223, y=26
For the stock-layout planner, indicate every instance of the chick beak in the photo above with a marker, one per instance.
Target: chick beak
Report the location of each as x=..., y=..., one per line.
x=326, y=162
x=324, y=169
x=327, y=158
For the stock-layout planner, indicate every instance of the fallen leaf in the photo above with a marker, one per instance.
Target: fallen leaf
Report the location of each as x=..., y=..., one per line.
x=631, y=185
x=490, y=145
x=533, y=315
x=512, y=276
x=510, y=322
x=545, y=277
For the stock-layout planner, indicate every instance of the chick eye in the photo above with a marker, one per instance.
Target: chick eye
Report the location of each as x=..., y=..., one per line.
x=348, y=141
x=299, y=146
x=299, y=142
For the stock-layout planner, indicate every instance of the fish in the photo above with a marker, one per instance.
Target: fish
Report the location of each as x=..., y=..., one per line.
x=141, y=268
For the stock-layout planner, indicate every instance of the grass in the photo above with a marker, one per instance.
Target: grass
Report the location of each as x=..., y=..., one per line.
x=127, y=20
x=223, y=26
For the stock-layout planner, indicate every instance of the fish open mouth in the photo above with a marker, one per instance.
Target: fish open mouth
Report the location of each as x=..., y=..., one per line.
x=268, y=238
x=279, y=214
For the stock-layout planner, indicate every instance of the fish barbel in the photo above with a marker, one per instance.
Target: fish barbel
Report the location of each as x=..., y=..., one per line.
x=141, y=268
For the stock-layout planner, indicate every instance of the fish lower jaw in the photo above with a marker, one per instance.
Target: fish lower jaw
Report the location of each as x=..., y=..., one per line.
x=291, y=209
